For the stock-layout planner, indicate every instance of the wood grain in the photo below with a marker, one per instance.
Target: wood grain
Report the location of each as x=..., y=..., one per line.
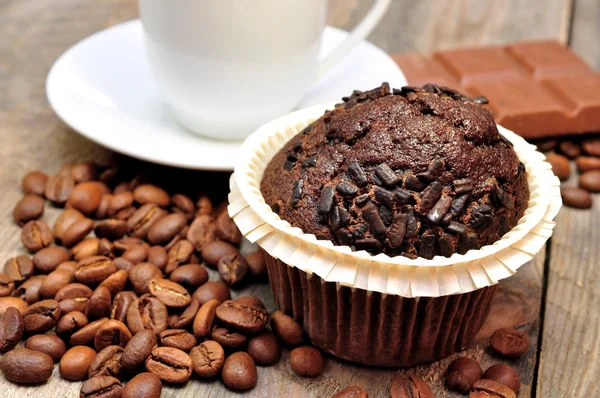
x=586, y=25
x=569, y=364
x=35, y=32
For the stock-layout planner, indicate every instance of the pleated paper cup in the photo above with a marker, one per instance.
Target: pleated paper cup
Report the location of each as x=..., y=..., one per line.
x=376, y=309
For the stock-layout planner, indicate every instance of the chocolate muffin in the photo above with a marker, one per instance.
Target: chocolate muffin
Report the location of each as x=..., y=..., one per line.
x=413, y=172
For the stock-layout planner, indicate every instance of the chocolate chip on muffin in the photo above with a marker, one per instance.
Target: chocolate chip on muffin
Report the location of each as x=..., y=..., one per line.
x=411, y=171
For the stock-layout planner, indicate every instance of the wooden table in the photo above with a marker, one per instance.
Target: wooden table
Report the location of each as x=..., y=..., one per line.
x=555, y=298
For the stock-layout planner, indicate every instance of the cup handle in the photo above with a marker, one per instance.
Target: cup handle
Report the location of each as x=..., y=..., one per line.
x=361, y=31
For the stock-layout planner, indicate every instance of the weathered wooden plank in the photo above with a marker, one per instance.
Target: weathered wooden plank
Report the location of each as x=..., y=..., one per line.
x=429, y=25
x=586, y=27
x=569, y=364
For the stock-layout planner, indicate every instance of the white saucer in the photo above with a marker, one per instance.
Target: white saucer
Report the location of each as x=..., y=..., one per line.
x=102, y=88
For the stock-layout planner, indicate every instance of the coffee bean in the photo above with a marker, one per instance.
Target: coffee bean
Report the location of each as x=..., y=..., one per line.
x=351, y=392
x=86, y=196
x=233, y=268
x=183, y=204
x=560, y=165
x=201, y=232
x=410, y=386
x=123, y=264
x=115, y=282
x=504, y=374
x=204, y=319
x=7, y=285
x=6, y=302
x=147, y=313
x=177, y=338
x=48, y=344
x=136, y=254
x=148, y=193
x=171, y=294
x=141, y=275
x=120, y=201
x=264, y=348
x=591, y=146
x=287, y=329
x=143, y=218
x=207, y=359
x=242, y=317
x=545, y=145
x=84, y=171
x=576, y=197
x=158, y=256
x=307, y=361
x=70, y=323
x=55, y=281
x=19, y=268
x=138, y=349
x=111, y=332
x=74, y=291
x=213, y=251
x=121, y=304
x=12, y=327
x=107, y=362
x=104, y=206
x=212, y=290
x=165, y=229
x=58, y=188
x=170, y=364
x=146, y=385
x=186, y=318
x=239, y=371
x=69, y=266
x=36, y=235
x=462, y=373
x=42, y=316
x=30, y=207
x=257, y=264
x=570, y=149
x=250, y=300
x=101, y=387
x=91, y=247
x=111, y=229
x=34, y=183
x=29, y=290
x=94, y=270
x=99, y=304
x=509, y=342
x=75, y=363
x=47, y=259
x=227, y=230
x=587, y=163
x=180, y=253
x=65, y=219
x=485, y=388
x=189, y=275
x=86, y=335
x=25, y=366
x=590, y=181
x=231, y=341
x=128, y=242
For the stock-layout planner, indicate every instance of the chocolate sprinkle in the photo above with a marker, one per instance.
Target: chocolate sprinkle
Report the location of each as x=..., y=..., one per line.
x=463, y=186
x=326, y=201
x=371, y=216
x=368, y=244
x=288, y=166
x=412, y=225
x=446, y=246
x=384, y=196
x=433, y=171
x=386, y=214
x=440, y=209
x=396, y=231
x=467, y=243
x=430, y=196
x=346, y=189
x=338, y=218
x=357, y=174
x=296, y=193
x=414, y=184
x=458, y=204
x=402, y=196
x=457, y=228
x=502, y=197
x=360, y=230
x=427, y=246
x=310, y=162
x=387, y=175
x=362, y=200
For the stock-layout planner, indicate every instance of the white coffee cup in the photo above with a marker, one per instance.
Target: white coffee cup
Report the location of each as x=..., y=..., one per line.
x=225, y=67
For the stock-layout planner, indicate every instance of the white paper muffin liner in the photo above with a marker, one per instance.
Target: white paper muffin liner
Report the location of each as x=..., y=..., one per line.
x=412, y=278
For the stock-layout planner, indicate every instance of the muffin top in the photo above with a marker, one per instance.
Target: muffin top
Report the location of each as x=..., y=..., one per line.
x=413, y=172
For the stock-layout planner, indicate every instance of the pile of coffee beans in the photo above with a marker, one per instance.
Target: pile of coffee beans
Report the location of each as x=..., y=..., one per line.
x=585, y=153
x=116, y=289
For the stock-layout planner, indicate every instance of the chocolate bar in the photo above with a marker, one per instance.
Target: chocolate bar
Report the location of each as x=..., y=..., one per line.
x=537, y=89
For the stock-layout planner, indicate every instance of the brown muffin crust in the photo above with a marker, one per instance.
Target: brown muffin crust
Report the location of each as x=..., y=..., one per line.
x=417, y=172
